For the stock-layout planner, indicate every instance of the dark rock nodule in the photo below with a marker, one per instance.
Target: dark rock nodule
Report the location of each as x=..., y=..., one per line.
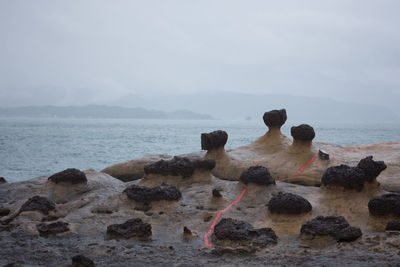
x=147, y=194
x=371, y=168
x=345, y=176
x=50, y=229
x=216, y=192
x=2, y=180
x=258, y=175
x=213, y=140
x=72, y=176
x=288, y=203
x=38, y=203
x=393, y=226
x=81, y=261
x=303, y=132
x=4, y=211
x=275, y=118
x=186, y=231
x=334, y=226
x=130, y=228
x=386, y=204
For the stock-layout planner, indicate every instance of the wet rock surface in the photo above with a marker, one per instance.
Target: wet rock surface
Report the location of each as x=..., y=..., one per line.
x=258, y=175
x=81, y=261
x=345, y=176
x=393, y=226
x=383, y=205
x=147, y=194
x=131, y=228
x=51, y=229
x=334, y=226
x=213, y=140
x=179, y=166
x=371, y=168
x=288, y=203
x=38, y=203
x=72, y=176
x=275, y=118
x=240, y=231
x=303, y=132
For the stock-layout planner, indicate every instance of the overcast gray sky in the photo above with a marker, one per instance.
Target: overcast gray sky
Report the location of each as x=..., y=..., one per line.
x=81, y=52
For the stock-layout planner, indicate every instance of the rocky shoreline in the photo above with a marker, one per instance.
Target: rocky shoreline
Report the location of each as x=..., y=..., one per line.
x=342, y=208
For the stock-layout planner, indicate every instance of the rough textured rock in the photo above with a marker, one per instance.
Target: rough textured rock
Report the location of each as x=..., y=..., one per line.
x=131, y=228
x=384, y=205
x=147, y=194
x=73, y=176
x=4, y=211
x=81, y=261
x=258, y=175
x=216, y=192
x=49, y=229
x=213, y=140
x=371, y=168
x=38, y=203
x=334, y=226
x=393, y=226
x=303, y=132
x=288, y=203
x=178, y=166
x=275, y=118
x=345, y=176
x=235, y=230
x=2, y=180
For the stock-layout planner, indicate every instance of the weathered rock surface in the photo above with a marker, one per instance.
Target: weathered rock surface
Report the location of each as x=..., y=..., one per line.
x=81, y=261
x=334, y=226
x=275, y=118
x=288, y=203
x=72, y=176
x=213, y=140
x=371, y=168
x=258, y=175
x=38, y=203
x=303, y=132
x=384, y=205
x=147, y=194
x=345, y=176
x=131, y=228
x=393, y=226
x=179, y=166
x=49, y=229
x=2, y=180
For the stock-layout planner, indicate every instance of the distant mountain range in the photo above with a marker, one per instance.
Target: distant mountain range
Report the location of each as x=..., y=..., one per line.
x=98, y=111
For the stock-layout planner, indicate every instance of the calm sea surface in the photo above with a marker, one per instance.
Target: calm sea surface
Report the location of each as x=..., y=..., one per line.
x=36, y=147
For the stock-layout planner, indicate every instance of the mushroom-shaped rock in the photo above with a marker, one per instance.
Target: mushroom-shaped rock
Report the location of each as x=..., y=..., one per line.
x=72, y=176
x=303, y=132
x=371, y=168
x=240, y=231
x=334, y=226
x=81, y=261
x=147, y=194
x=386, y=204
x=2, y=180
x=345, y=176
x=258, y=175
x=288, y=203
x=130, y=228
x=275, y=118
x=213, y=140
x=48, y=229
x=38, y=203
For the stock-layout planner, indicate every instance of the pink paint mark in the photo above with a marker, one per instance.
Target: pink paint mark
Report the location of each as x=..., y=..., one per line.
x=208, y=244
x=305, y=165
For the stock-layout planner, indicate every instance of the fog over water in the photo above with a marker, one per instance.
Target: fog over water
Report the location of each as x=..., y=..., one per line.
x=100, y=52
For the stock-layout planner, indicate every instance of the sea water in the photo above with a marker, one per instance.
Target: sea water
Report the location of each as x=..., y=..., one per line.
x=32, y=147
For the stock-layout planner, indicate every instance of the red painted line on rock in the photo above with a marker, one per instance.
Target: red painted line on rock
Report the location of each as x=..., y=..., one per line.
x=305, y=165
x=208, y=244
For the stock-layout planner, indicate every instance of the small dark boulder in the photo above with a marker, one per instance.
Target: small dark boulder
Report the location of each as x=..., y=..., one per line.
x=81, y=261
x=216, y=192
x=288, y=203
x=146, y=194
x=323, y=154
x=275, y=118
x=303, y=132
x=213, y=140
x=130, y=228
x=386, y=204
x=2, y=180
x=4, y=211
x=72, y=176
x=393, y=226
x=334, y=226
x=55, y=228
x=371, y=168
x=240, y=231
x=38, y=203
x=345, y=176
x=186, y=231
x=258, y=175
